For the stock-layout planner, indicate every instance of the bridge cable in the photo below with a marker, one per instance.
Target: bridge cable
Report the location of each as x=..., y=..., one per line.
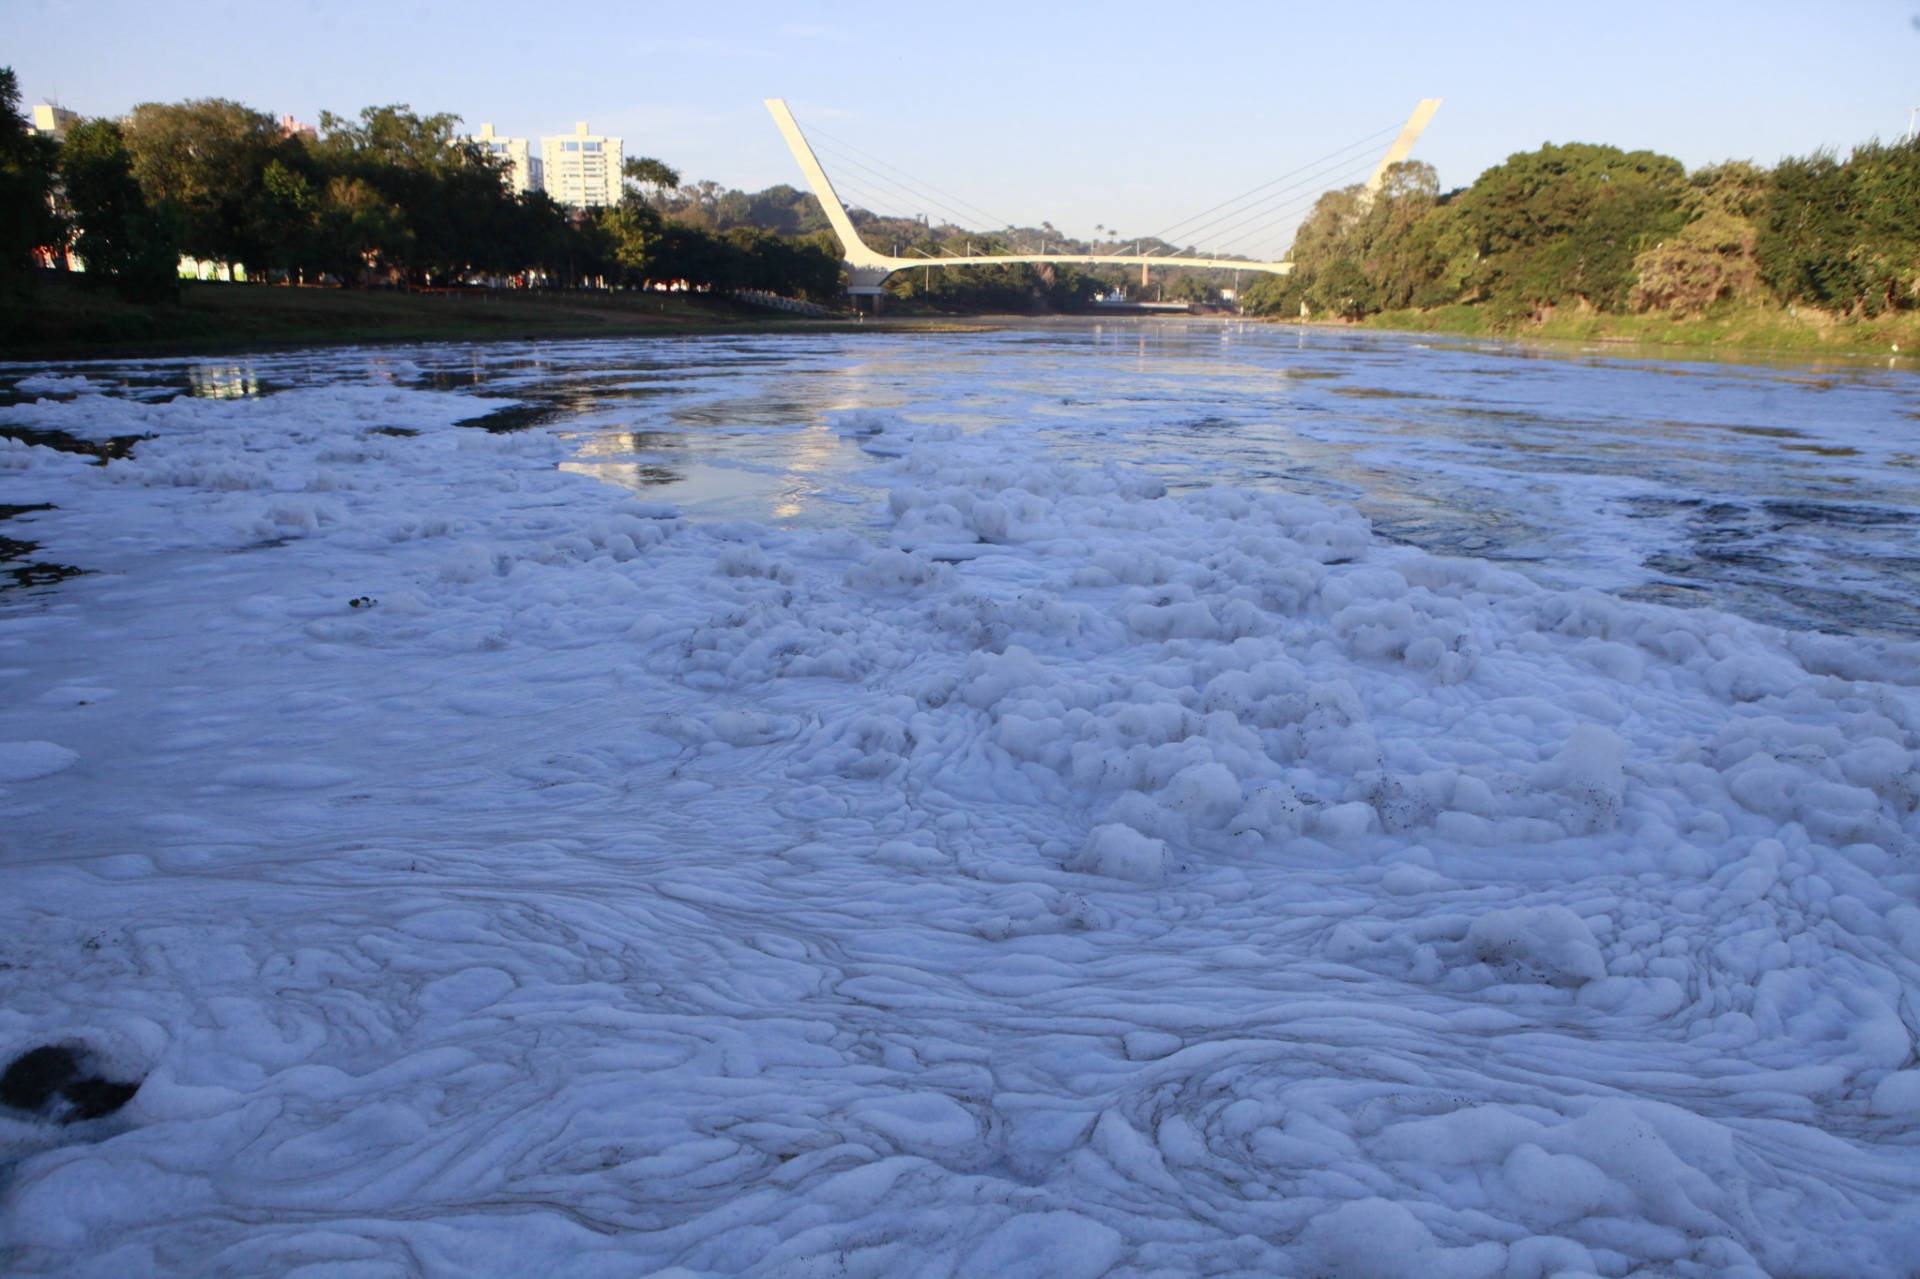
x=1293, y=210
x=1317, y=185
x=1269, y=218
x=922, y=193
x=916, y=197
x=952, y=216
x=992, y=218
x=1311, y=164
x=918, y=191
x=1325, y=181
x=1279, y=232
x=1316, y=173
x=876, y=189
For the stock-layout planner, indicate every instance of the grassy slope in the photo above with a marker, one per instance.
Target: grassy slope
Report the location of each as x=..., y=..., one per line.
x=1744, y=328
x=73, y=323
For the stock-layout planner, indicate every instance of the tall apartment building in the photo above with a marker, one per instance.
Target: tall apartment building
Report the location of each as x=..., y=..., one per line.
x=52, y=121
x=524, y=166
x=584, y=170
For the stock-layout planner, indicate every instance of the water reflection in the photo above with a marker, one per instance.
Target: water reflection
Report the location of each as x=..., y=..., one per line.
x=224, y=382
x=626, y=458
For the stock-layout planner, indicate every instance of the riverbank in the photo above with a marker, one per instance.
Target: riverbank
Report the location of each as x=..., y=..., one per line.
x=1750, y=330
x=69, y=323
x=211, y=317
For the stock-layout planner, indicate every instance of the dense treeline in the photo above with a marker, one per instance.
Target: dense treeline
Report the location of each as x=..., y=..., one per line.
x=388, y=198
x=27, y=220
x=1597, y=228
x=785, y=210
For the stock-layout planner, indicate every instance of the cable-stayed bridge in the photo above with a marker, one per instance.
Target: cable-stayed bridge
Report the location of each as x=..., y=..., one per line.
x=867, y=268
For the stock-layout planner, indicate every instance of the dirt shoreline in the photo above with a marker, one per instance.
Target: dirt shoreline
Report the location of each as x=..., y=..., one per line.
x=70, y=325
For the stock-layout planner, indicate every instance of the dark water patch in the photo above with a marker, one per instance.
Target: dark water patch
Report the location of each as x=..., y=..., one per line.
x=1708, y=559
x=59, y=1082
x=651, y=475
x=18, y=570
x=1670, y=594
x=1851, y=612
x=102, y=451
x=1653, y=508
x=400, y=431
x=758, y=414
x=1850, y=515
x=1380, y=393
x=31, y=573
x=519, y=417
x=1455, y=532
x=544, y=408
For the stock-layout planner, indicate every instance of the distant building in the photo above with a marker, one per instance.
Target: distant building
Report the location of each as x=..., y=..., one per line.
x=584, y=170
x=525, y=170
x=292, y=128
x=53, y=121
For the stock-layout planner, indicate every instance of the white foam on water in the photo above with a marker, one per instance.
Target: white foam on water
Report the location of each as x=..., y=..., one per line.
x=492, y=875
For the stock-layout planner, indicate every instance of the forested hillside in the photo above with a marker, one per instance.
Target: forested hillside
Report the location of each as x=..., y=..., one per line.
x=1598, y=229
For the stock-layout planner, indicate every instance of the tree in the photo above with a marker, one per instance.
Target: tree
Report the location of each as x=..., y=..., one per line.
x=651, y=175
x=543, y=237
x=1843, y=235
x=450, y=196
x=634, y=233
x=792, y=268
x=207, y=159
x=1361, y=251
x=358, y=232
x=285, y=221
x=1713, y=256
x=122, y=241
x=1565, y=223
x=28, y=223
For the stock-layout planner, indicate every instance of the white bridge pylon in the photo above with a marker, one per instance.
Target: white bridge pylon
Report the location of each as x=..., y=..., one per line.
x=867, y=269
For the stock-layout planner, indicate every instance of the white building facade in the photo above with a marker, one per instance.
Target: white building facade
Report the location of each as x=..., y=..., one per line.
x=51, y=121
x=583, y=171
x=524, y=167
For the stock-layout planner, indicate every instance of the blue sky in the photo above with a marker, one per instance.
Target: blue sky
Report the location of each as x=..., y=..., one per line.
x=1125, y=114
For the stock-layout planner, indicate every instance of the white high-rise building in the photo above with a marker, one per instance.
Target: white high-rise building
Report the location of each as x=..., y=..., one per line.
x=52, y=121
x=583, y=170
x=525, y=167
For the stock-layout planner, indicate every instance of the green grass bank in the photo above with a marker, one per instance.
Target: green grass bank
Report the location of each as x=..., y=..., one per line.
x=1755, y=330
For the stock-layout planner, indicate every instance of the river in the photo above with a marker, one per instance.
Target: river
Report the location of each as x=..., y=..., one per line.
x=1787, y=493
